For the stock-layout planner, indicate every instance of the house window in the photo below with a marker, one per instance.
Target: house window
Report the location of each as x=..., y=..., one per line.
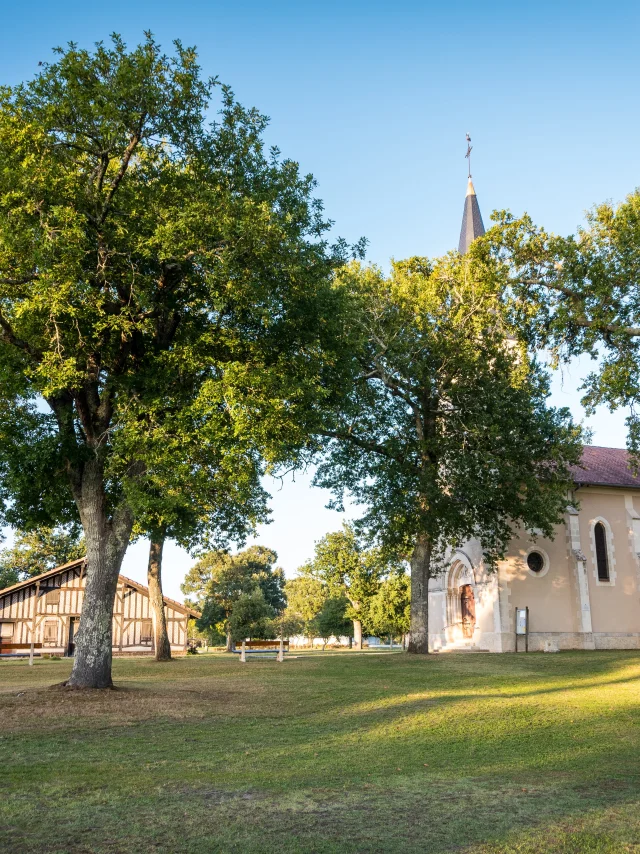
x=6, y=631
x=146, y=631
x=53, y=597
x=50, y=631
x=602, y=555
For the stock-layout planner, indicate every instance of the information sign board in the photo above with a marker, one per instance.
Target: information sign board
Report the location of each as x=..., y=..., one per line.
x=522, y=627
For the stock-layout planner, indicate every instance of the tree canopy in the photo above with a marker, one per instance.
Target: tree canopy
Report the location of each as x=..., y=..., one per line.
x=347, y=570
x=252, y=617
x=580, y=294
x=37, y=551
x=218, y=581
x=305, y=597
x=446, y=434
x=332, y=619
x=389, y=611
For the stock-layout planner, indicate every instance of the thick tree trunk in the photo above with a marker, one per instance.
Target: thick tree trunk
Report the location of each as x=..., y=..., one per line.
x=107, y=542
x=229, y=642
x=357, y=634
x=156, y=600
x=420, y=574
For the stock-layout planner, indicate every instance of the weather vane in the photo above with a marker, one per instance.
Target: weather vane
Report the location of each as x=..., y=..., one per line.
x=468, y=154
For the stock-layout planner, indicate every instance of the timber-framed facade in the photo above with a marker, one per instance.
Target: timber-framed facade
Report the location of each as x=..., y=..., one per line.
x=46, y=610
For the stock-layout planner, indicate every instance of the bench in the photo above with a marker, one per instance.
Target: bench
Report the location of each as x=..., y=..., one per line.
x=257, y=647
x=20, y=650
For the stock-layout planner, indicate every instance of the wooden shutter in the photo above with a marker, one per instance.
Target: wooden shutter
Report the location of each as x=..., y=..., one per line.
x=602, y=558
x=146, y=631
x=53, y=597
x=50, y=634
x=6, y=631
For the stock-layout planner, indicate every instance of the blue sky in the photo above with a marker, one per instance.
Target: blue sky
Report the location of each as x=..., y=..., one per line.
x=375, y=99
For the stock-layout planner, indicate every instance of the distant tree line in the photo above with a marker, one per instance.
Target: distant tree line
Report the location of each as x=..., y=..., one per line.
x=345, y=590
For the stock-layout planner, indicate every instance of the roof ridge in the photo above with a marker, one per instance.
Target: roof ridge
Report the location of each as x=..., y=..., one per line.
x=72, y=563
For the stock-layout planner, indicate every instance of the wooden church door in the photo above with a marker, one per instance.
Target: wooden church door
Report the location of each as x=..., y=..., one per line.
x=468, y=604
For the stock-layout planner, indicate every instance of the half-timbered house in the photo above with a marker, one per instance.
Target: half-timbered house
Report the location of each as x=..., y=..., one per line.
x=47, y=611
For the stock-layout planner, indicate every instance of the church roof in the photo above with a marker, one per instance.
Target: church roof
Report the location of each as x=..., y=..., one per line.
x=472, y=225
x=605, y=467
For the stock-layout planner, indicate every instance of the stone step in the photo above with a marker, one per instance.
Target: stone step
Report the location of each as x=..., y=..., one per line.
x=464, y=649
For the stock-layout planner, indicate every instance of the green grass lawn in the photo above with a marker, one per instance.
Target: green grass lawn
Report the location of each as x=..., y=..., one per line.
x=325, y=753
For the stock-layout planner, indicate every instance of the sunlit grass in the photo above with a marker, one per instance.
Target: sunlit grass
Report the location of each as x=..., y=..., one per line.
x=326, y=753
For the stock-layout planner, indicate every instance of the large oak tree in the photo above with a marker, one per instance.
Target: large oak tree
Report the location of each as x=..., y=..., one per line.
x=136, y=241
x=446, y=434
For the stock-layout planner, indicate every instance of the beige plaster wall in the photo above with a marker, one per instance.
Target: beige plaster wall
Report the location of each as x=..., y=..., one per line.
x=615, y=605
x=552, y=596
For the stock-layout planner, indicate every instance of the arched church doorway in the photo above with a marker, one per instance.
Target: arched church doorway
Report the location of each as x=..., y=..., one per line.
x=468, y=610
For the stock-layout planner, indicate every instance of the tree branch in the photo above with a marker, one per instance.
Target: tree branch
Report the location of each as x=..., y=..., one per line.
x=9, y=337
x=124, y=165
x=362, y=443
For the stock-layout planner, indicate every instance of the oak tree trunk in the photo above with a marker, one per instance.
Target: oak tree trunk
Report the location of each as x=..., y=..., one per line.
x=357, y=634
x=420, y=574
x=156, y=600
x=107, y=541
x=229, y=642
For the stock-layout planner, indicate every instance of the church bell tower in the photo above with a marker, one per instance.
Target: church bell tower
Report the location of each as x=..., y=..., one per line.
x=472, y=225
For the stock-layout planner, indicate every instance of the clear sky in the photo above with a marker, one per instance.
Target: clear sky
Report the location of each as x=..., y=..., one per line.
x=375, y=98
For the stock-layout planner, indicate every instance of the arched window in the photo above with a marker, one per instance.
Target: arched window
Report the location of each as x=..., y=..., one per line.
x=602, y=557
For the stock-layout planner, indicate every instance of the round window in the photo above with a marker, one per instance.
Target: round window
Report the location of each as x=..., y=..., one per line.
x=535, y=561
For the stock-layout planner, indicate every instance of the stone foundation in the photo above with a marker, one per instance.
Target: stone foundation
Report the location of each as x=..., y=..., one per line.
x=541, y=641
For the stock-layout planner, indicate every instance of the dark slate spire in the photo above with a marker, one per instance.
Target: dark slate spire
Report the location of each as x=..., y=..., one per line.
x=472, y=225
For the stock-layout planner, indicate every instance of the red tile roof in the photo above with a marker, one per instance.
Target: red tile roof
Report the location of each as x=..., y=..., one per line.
x=606, y=467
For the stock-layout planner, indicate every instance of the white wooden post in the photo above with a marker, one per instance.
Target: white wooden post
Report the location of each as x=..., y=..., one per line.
x=281, y=651
x=243, y=654
x=31, y=653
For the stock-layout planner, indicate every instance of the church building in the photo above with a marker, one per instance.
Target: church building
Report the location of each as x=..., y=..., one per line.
x=581, y=588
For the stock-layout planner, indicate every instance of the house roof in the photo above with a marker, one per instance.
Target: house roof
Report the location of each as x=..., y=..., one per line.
x=77, y=563
x=606, y=467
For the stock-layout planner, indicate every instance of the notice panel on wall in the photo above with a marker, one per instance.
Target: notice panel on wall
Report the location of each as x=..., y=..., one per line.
x=522, y=627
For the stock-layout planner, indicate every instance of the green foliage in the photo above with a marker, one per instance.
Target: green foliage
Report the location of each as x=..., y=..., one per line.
x=252, y=616
x=446, y=434
x=168, y=325
x=34, y=552
x=579, y=294
x=333, y=619
x=305, y=597
x=288, y=623
x=219, y=580
x=389, y=610
x=346, y=569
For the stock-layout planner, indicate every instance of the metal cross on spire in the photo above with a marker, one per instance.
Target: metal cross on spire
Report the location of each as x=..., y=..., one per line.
x=468, y=154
